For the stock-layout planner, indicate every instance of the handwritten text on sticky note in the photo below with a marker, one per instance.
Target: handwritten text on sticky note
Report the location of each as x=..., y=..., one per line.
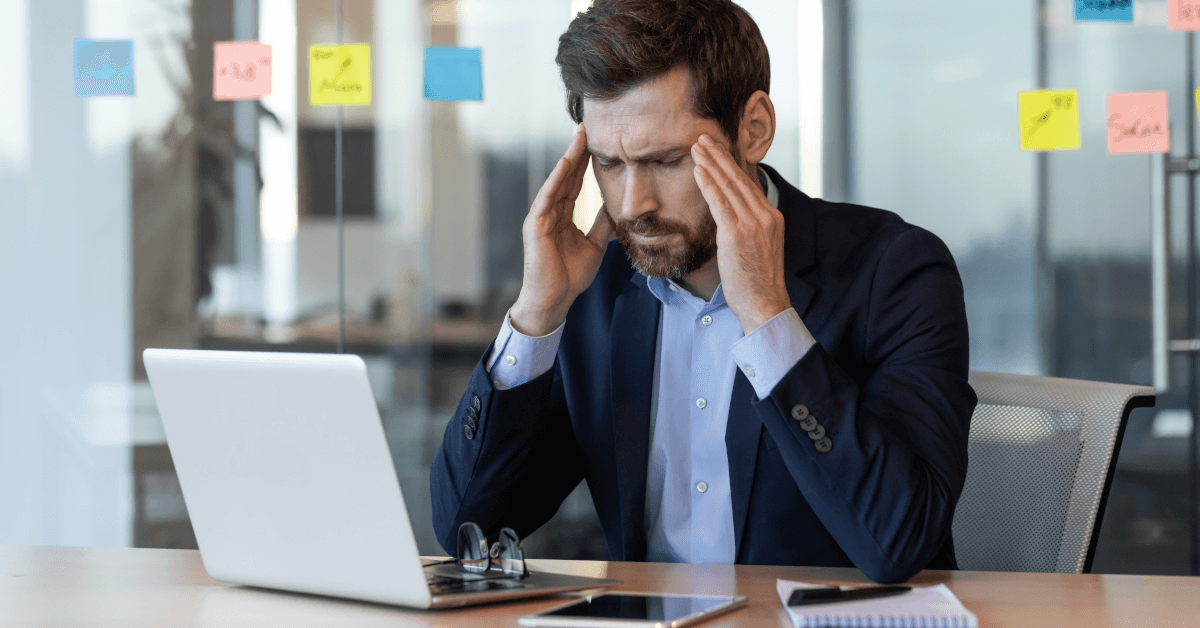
x=1137, y=123
x=453, y=73
x=339, y=75
x=1183, y=15
x=1049, y=120
x=241, y=70
x=1108, y=10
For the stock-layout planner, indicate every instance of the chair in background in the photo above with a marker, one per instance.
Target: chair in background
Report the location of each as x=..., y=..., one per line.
x=1042, y=455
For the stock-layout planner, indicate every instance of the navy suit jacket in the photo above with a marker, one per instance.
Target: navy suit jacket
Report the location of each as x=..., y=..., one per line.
x=887, y=381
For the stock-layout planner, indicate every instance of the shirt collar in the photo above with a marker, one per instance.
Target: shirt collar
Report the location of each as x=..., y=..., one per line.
x=772, y=191
x=661, y=288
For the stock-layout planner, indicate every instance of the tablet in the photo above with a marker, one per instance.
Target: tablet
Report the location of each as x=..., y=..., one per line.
x=627, y=610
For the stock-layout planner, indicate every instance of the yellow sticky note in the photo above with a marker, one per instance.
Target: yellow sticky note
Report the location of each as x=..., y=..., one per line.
x=1198, y=102
x=339, y=75
x=1049, y=120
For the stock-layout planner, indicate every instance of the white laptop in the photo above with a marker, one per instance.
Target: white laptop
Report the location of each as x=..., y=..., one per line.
x=289, y=482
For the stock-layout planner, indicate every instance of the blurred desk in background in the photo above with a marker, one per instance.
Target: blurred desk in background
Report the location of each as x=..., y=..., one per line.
x=445, y=336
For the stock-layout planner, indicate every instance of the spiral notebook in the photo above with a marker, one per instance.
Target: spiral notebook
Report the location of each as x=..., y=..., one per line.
x=923, y=606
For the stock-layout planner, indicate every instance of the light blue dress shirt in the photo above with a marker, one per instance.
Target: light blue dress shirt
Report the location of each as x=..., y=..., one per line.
x=689, y=513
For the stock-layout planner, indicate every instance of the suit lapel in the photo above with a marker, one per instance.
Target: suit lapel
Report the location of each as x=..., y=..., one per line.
x=742, y=433
x=634, y=340
x=799, y=240
x=744, y=428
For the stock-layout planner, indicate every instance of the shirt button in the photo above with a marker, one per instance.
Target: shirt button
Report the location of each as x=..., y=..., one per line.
x=672, y=288
x=702, y=486
x=512, y=359
x=700, y=403
x=749, y=372
x=707, y=320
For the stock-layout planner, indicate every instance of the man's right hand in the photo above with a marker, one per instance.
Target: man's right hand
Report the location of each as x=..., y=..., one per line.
x=560, y=260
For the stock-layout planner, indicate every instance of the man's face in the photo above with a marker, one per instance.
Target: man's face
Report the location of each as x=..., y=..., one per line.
x=641, y=154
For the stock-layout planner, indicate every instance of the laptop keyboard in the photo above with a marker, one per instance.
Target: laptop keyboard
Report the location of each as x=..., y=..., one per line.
x=440, y=585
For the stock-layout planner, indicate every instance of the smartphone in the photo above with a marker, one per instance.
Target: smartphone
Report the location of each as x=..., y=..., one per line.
x=623, y=609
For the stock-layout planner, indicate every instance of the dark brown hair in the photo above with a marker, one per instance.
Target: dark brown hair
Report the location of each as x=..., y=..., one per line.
x=616, y=45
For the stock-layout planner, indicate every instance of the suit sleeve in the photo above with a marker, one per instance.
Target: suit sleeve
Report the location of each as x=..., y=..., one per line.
x=894, y=464
x=515, y=468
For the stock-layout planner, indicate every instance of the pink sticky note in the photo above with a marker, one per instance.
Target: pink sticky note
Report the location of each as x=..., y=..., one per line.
x=1183, y=15
x=1138, y=123
x=241, y=70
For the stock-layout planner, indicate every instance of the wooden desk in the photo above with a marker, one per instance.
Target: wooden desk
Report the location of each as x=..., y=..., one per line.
x=98, y=587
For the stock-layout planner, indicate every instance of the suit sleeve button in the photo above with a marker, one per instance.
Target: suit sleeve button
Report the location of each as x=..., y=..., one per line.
x=817, y=433
x=799, y=412
x=469, y=431
x=475, y=403
x=823, y=445
x=810, y=424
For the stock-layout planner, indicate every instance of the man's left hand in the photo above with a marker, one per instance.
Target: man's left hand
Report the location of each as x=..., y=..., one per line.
x=749, y=236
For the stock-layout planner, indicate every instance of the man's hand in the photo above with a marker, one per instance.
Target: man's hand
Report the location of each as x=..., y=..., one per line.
x=749, y=236
x=560, y=261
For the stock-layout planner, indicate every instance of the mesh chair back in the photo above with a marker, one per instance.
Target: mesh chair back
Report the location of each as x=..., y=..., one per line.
x=1041, y=456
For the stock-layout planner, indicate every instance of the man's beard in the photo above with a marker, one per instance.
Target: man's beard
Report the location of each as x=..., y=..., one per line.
x=667, y=260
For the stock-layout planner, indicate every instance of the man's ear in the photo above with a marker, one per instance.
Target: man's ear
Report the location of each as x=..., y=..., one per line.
x=757, y=129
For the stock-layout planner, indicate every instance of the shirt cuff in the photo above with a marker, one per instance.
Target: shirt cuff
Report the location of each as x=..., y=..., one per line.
x=517, y=358
x=766, y=354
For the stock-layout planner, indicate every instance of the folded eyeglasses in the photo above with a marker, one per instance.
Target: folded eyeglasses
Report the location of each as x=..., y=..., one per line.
x=475, y=555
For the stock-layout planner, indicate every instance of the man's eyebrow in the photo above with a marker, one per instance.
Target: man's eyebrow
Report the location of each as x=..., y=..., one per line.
x=656, y=155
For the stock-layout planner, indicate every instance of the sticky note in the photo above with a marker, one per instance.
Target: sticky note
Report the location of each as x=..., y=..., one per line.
x=1049, y=120
x=339, y=75
x=1183, y=15
x=1198, y=103
x=453, y=73
x=1137, y=123
x=1106, y=10
x=241, y=70
x=103, y=68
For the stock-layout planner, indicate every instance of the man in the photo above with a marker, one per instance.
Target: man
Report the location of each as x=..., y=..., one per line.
x=746, y=374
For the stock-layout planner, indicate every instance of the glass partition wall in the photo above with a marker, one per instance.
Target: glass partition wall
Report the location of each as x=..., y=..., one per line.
x=170, y=219
x=1053, y=248
x=1098, y=250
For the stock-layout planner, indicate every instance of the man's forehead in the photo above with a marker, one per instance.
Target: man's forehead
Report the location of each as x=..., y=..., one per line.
x=638, y=135
x=657, y=146
x=656, y=115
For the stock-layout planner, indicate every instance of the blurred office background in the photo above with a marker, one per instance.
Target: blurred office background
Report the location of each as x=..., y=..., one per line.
x=170, y=220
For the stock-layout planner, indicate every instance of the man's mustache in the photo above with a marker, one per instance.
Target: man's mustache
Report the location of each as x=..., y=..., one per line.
x=650, y=228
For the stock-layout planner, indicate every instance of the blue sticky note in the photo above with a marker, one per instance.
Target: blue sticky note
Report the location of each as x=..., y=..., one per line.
x=1106, y=10
x=453, y=73
x=103, y=68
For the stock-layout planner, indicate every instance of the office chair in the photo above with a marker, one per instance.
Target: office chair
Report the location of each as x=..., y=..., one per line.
x=1042, y=454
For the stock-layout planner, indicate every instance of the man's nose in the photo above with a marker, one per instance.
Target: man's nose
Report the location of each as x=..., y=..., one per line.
x=641, y=197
